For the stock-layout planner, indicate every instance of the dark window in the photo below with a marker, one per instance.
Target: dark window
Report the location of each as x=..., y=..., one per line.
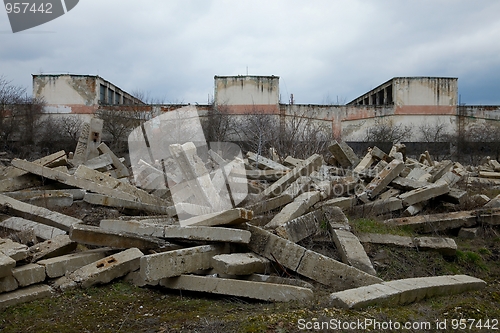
x=110, y=96
x=102, y=96
x=117, y=98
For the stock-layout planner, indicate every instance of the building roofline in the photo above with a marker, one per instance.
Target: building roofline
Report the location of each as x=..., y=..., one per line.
x=250, y=76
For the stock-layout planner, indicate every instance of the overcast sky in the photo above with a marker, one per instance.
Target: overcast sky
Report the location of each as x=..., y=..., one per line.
x=324, y=51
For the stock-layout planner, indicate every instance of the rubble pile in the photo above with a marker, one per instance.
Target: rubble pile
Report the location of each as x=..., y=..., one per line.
x=244, y=251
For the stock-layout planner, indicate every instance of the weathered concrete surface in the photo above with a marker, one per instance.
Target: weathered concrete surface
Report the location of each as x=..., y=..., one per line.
x=468, y=233
x=351, y=251
x=270, y=204
x=59, y=266
x=304, y=169
x=8, y=283
x=26, y=195
x=174, y=263
x=366, y=162
x=486, y=174
x=99, y=163
x=313, y=265
x=120, y=169
x=445, y=221
x=12, y=249
x=424, y=193
x=343, y=154
x=240, y=264
x=107, y=269
x=379, y=207
x=384, y=177
x=38, y=214
x=344, y=203
x=25, y=295
x=405, y=291
x=269, y=175
x=493, y=203
x=445, y=246
x=29, y=274
x=265, y=163
x=103, y=200
x=291, y=161
x=277, y=280
x=41, y=230
x=13, y=172
x=20, y=183
x=54, y=247
x=299, y=186
x=386, y=239
x=240, y=288
x=231, y=216
x=407, y=184
x=295, y=209
x=6, y=265
x=89, y=140
x=91, y=235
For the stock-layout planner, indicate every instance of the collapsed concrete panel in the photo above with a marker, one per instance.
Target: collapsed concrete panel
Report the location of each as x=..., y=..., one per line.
x=103, y=200
x=29, y=274
x=13, y=249
x=351, y=250
x=240, y=264
x=25, y=295
x=295, y=209
x=41, y=230
x=344, y=154
x=384, y=177
x=61, y=265
x=57, y=246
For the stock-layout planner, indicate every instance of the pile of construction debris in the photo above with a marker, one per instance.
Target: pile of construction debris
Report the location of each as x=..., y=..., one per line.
x=239, y=251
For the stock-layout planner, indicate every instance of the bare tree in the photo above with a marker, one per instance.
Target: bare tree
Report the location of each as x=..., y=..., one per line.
x=61, y=132
x=385, y=130
x=220, y=125
x=437, y=132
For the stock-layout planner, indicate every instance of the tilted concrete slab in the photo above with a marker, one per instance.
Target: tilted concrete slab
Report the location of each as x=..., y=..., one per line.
x=240, y=288
x=379, y=207
x=41, y=230
x=240, y=264
x=351, y=251
x=304, y=169
x=99, y=162
x=13, y=172
x=25, y=295
x=12, y=249
x=227, y=217
x=277, y=280
x=291, y=161
x=424, y=193
x=265, y=163
x=345, y=203
x=91, y=235
x=38, y=214
x=6, y=265
x=56, y=246
x=439, y=170
x=269, y=175
x=103, y=200
x=174, y=263
x=20, y=183
x=26, y=195
x=407, y=184
x=29, y=274
x=384, y=177
x=445, y=246
x=445, y=221
x=59, y=266
x=313, y=265
x=8, y=283
x=298, y=207
x=493, y=203
x=343, y=154
x=405, y=291
x=366, y=162
x=107, y=269
x=299, y=186
x=120, y=169
x=270, y=204
x=153, y=229
x=89, y=140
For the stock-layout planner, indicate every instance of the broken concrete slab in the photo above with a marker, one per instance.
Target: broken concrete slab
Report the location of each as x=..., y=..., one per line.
x=445, y=221
x=41, y=230
x=351, y=250
x=240, y=264
x=227, y=217
x=13, y=172
x=26, y=195
x=277, y=280
x=493, y=203
x=270, y=204
x=344, y=154
x=20, y=183
x=99, y=163
x=468, y=233
x=306, y=168
x=61, y=265
x=29, y=274
x=292, y=162
x=107, y=269
x=269, y=175
x=379, y=207
x=174, y=263
x=57, y=246
x=386, y=239
x=120, y=169
x=424, y=193
x=455, y=196
x=486, y=174
x=299, y=186
x=103, y=200
x=313, y=265
x=384, y=177
x=407, y=184
x=89, y=140
x=439, y=170
x=38, y=214
x=265, y=163
x=256, y=290
x=445, y=246
x=25, y=295
x=8, y=283
x=405, y=291
x=91, y=235
x=344, y=203
x=298, y=207
x=6, y=265
x=366, y=162
x=14, y=250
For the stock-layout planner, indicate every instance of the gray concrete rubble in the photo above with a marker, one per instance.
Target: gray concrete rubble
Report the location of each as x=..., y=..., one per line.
x=344, y=154
x=41, y=230
x=13, y=249
x=404, y=291
x=270, y=204
x=240, y=264
x=56, y=246
x=89, y=140
x=265, y=163
x=120, y=170
x=298, y=207
x=257, y=290
x=443, y=245
x=227, y=217
x=25, y=295
x=65, y=264
x=103, y=200
x=424, y=193
x=6, y=265
x=384, y=177
x=29, y=274
x=351, y=250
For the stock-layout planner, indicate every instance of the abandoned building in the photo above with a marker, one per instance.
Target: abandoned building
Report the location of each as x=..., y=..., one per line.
x=412, y=101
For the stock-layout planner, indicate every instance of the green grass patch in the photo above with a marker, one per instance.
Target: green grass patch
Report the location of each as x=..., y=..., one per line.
x=364, y=225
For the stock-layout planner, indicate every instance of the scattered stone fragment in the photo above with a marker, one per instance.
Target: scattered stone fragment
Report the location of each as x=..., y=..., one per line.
x=294, y=209
x=8, y=283
x=57, y=246
x=29, y=274
x=14, y=250
x=240, y=264
x=6, y=265
x=468, y=233
x=25, y=295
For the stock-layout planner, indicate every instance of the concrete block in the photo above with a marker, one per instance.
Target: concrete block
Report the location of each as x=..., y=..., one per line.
x=301, y=185
x=468, y=233
x=120, y=169
x=407, y=184
x=12, y=249
x=25, y=295
x=486, y=174
x=493, y=203
x=424, y=193
x=277, y=280
x=6, y=265
x=103, y=200
x=99, y=163
x=440, y=170
x=54, y=247
x=379, y=207
x=415, y=209
x=29, y=274
x=26, y=195
x=38, y=214
x=384, y=177
x=91, y=235
x=107, y=269
x=240, y=264
x=379, y=154
x=480, y=199
x=304, y=169
x=89, y=140
x=344, y=203
x=265, y=163
x=455, y=196
x=386, y=239
x=313, y=265
x=240, y=288
x=13, y=172
x=227, y=217
x=59, y=266
x=405, y=291
x=416, y=173
x=344, y=154
x=8, y=283
x=20, y=183
x=52, y=201
x=292, y=162
x=270, y=204
x=445, y=246
x=295, y=209
x=174, y=263
x=351, y=250
x=41, y=230
x=366, y=162
x=268, y=175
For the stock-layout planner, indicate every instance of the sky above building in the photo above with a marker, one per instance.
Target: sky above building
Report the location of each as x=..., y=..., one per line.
x=324, y=51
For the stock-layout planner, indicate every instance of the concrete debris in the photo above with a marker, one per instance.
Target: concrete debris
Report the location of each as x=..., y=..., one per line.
x=210, y=239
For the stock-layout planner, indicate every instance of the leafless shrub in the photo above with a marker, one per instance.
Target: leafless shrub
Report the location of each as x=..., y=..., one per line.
x=384, y=130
